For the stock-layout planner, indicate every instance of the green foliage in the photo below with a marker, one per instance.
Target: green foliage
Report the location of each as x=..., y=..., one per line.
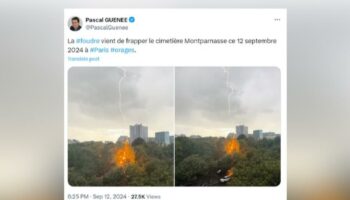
x=202, y=161
x=138, y=141
x=92, y=164
x=199, y=162
x=191, y=170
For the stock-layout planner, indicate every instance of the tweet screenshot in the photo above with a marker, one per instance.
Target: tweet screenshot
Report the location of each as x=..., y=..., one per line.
x=175, y=104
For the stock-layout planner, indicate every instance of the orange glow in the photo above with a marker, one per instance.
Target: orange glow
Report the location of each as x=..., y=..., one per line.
x=124, y=155
x=229, y=172
x=232, y=146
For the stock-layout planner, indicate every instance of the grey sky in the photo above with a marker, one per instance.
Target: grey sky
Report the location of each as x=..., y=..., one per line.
x=96, y=112
x=202, y=104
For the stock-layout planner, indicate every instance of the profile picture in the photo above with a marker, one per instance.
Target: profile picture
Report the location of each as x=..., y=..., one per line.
x=74, y=24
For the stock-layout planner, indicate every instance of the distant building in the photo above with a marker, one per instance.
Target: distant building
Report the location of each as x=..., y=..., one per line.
x=162, y=137
x=195, y=136
x=138, y=131
x=151, y=139
x=123, y=139
x=258, y=134
x=269, y=135
x=231, y=135
x=241, y=130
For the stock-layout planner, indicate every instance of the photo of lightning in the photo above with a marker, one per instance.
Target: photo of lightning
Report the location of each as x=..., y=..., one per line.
x=120, y=126
x=230, y=89
x=227, y=129
x=120, y=92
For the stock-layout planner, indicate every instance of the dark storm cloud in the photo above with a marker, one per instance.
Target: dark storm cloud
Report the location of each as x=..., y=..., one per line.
x=146, y=97
x=94, y=90
x=198, y=89
x=202, y=97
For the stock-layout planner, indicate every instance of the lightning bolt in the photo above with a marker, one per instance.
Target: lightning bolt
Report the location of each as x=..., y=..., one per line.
x=120, y=100
x=230, y=88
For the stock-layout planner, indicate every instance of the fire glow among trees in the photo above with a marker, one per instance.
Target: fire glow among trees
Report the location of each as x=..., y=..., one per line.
x=229, y=172
x=219, y=161
x=232, y=146
x=124, y=155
